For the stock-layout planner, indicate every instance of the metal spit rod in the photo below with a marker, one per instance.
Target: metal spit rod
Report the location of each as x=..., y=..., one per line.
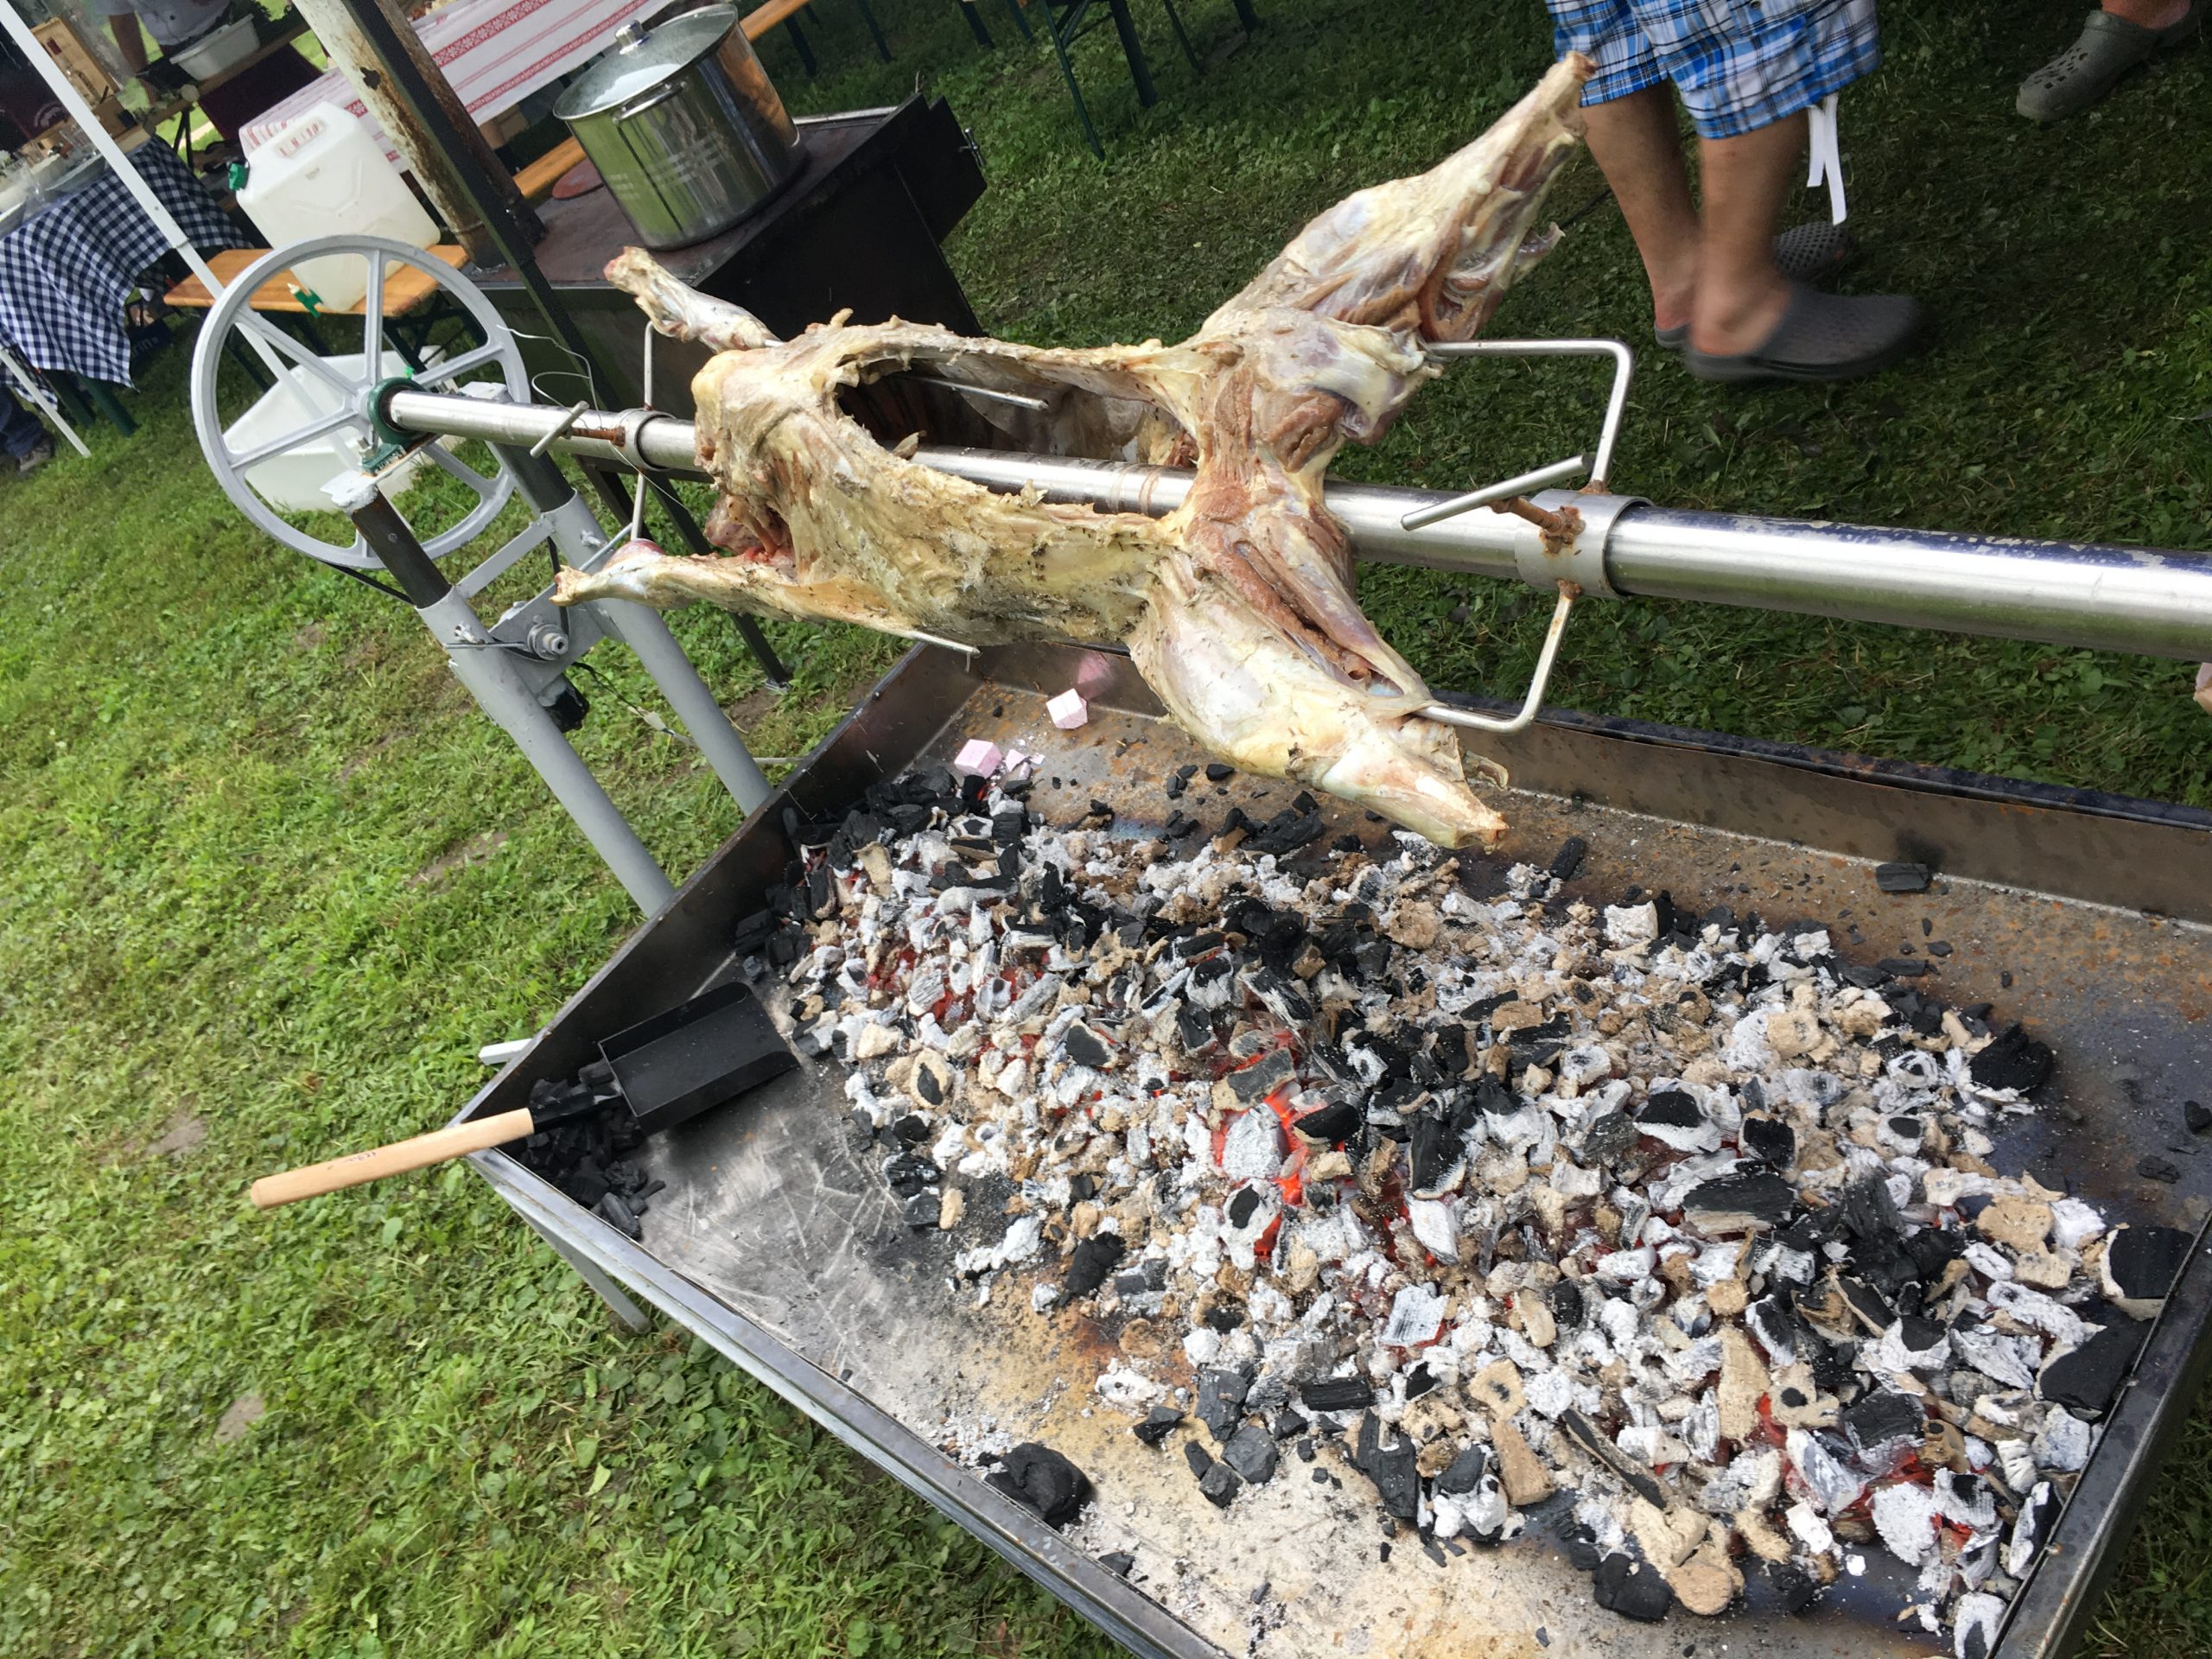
x=2148, y=601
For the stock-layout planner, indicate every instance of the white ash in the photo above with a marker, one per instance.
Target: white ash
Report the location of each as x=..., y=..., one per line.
x=1510, y=1166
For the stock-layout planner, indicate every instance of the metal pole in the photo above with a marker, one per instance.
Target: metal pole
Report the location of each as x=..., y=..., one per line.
x=2149, y=601
x=381, y=55
x=577, y=534
x=485, y=669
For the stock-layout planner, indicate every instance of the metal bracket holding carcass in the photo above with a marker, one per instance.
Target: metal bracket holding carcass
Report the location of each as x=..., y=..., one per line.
x=1566, y=550
x=517, y=667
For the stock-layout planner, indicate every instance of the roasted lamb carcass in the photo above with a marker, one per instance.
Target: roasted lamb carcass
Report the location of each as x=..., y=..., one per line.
x=1238, y=606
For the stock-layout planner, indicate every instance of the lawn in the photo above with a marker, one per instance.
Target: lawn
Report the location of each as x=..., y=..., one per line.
x=266, y=880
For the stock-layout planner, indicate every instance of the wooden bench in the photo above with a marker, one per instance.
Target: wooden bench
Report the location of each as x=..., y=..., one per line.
x=405, y=287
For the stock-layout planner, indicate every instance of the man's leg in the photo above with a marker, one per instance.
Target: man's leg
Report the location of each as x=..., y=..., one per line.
x=21, y=438
x=1740, y=295
x=1638, y=149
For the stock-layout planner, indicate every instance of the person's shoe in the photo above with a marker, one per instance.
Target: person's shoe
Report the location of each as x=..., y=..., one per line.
x=2107, y=47
x=42, y=452
x=1820, y=337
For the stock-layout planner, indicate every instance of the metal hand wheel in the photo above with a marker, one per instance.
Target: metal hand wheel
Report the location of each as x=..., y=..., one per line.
x=340, y=393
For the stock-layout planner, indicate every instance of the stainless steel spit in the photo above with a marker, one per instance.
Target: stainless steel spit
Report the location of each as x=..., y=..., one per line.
x=2152, y=602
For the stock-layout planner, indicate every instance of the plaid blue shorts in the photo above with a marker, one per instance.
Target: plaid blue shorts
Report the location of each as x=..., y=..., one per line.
x=1740, y=65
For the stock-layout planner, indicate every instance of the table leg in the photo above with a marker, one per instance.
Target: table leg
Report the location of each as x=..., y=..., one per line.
x=805, y=52
x=234, y=347
x=65, y=393
x=628, y=1314
x=1245, y=14
x=975, y=20
x=106, y=403
x=1175, y=22
x=1132, y=49
x=1063, y=31
x=1021, y=21
x=875, y=30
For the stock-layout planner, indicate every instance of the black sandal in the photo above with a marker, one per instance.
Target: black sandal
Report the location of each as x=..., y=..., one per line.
x=1820, y=337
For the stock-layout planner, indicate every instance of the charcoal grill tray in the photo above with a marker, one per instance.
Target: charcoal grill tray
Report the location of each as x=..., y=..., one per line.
x=779, y=1243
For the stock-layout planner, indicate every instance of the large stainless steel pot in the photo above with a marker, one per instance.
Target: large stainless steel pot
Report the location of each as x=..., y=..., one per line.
x=684, y=125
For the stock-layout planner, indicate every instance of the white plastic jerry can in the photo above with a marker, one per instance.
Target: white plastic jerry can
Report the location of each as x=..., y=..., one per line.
x=326, y=173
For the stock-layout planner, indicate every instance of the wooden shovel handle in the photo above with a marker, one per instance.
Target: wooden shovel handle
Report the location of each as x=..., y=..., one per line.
x=358, y=1168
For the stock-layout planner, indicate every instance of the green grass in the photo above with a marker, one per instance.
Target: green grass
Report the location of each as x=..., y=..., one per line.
x=255, y=884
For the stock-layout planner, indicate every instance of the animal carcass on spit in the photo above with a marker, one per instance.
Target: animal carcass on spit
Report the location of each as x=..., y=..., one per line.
x=1237, y=608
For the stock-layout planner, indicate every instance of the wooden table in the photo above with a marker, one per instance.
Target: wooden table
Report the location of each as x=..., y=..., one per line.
x=183, y=102
x=405, y=287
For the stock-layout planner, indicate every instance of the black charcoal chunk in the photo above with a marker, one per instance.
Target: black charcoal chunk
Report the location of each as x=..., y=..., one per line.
x=1587, y=1435
x=1159, y=1423
x=1198, y=1456
x=1329, y=1124
x=612, y=1207
x=1672, y=1109
x=1221, y=1400
x=1219, y=1485
x=1744, y=1202
x=1793, y=1587
x=2087, y=1380
x=1094, y=1258
x=1568, y=1305
x=2140, y=1262
x=1084, y=1047
x=1770, y=1141
x=2012, y=1060
x=1242, y=1203
x=1337, y=1394
x=1261, y=1076
x=1880, y=1416
x=1631, y=1588
x=1219, y=771
x=1039, y=1479
x=1466, y=1472
x=922, y=1211
x=1901, y=878
x=2197, y=1115
x=1903, y=967
x=1251, y=1453
x=2159, y=1169
x=1567, y=861
x=1392, y=1468
x=1288, y=1423
x=1119, y=1562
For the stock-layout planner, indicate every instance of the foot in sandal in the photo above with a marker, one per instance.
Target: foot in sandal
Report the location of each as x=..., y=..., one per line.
x=2112, y=43
x=1819, y=337
x=2204, y=688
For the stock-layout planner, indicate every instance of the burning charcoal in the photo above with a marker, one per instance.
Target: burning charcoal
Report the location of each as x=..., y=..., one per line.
x=1567, y=1305
x=1262, y=1077
x=1392, y=1468
x=2032, y=1528
x=1085, y=1047
x=1159, y=1423
x=1221, y=1400
x=1631, y=1588
x=2140, y=1264
x=2012, y=1060
x=1881, y=1418
x=1416, y=1315
x=908, y=1174
x=1219, y=1485
x=1743, y=1203
x=1041, y=1480
x=1609, y=1140
x=1329, y=1125
x=1251, y=1453
x=1119, y=1562
x=1674, y=1119
x=1337, y=1394
x=1094, y=1258
x=2089, y=1377
x=1901, y=878
x=1771, y=1141
x=1587, y=1435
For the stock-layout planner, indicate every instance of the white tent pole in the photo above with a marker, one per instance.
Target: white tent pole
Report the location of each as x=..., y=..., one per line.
x=89, y=124
x=45, y=405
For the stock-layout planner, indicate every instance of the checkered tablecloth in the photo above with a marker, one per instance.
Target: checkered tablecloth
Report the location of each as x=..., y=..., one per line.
x=67, y=271
x=494, y=54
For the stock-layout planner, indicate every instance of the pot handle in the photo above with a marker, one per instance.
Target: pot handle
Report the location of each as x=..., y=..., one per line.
x=659, y=95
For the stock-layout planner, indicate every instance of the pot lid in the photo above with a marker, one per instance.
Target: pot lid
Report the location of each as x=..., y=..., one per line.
x=643, y=60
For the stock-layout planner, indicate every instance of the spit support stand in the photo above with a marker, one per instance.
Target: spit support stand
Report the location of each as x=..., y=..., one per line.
x=1531, y=704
